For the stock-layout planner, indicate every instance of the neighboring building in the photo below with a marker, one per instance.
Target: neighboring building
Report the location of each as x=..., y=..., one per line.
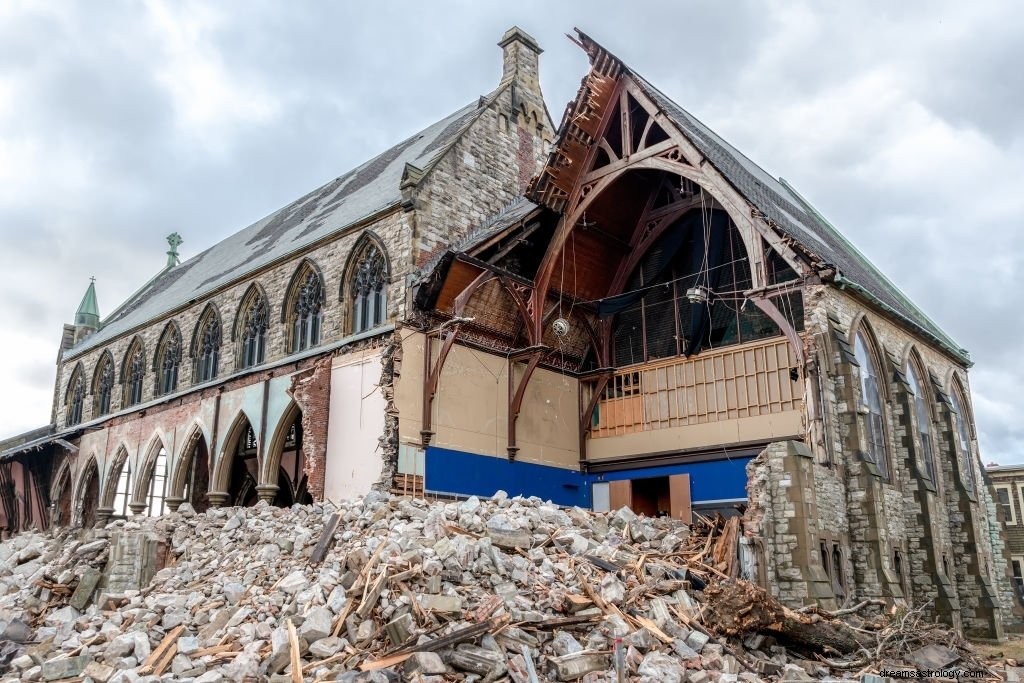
x=1007, y=486
x=626, y=312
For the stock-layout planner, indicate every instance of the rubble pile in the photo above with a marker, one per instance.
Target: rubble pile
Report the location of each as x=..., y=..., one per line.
x=387, y=589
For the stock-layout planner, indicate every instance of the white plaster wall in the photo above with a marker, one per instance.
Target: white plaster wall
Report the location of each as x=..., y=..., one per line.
x=356, y=423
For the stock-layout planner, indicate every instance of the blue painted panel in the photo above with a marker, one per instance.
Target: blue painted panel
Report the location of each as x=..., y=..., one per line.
x=448, y=471
x=709, y=480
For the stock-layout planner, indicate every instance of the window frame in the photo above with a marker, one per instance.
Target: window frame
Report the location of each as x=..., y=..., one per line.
x=1012, y=521
x=923, y=422
x=876, y=434
x=367, y=280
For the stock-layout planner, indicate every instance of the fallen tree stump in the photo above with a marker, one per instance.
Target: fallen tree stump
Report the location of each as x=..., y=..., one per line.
x=736, y=607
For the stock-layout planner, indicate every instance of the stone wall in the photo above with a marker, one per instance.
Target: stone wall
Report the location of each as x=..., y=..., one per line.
x=331, y=261
x=904, y=536
x=493, y=161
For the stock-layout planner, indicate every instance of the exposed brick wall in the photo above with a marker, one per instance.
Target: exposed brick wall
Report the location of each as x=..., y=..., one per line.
x=312, y=391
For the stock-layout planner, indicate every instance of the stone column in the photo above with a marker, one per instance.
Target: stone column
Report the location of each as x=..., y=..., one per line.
x=137, y=507
x=217, y=498
x=174, y=502
x=103, y=516
x=267, y=492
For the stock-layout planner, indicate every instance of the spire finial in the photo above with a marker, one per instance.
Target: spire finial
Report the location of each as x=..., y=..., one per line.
x=174, y=241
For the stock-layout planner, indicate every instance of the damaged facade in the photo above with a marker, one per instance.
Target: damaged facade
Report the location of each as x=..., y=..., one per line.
x=622, y=310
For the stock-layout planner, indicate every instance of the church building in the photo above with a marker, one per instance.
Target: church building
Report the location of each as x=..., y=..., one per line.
x=620, y=310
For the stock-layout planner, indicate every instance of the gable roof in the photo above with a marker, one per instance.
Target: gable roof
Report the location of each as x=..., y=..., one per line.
x=343, y=202
x=788, y=212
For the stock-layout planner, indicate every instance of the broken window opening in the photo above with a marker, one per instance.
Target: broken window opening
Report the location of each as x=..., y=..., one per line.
x=156, y=503
x=838, y=581
x=871, y=404
x=1005, y=503
x=963, y=439
x=924, y=422
x=687, y=295
x=122, y=494
x=244, y=470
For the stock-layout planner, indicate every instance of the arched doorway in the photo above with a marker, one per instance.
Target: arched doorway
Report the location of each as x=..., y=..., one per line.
x=286, y=462
x=61, y=498
x=196, y=484
x=243, y=475
x=90, y=497
x=291, y=485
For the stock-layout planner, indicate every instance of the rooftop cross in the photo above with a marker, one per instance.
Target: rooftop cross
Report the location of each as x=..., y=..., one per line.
x=174, y=241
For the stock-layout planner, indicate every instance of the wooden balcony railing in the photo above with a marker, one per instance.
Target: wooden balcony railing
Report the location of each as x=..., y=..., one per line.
x=720, y=384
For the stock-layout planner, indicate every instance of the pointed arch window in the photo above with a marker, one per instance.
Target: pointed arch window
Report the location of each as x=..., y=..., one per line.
x=156, y=503
x=963, y=438
x=168, y=358
x=254, y=330
x=368, y=287
x=206, y=347
x=134, y=372
x=923, y=416
x=103, y=385
x=123, y=492
x=871, y=403
x=75, y=397
x=307, y=310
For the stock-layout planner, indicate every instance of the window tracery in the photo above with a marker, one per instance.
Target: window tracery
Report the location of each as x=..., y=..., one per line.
x=169, y=358
x=134, y=372
x=75, y=398
x=922, y=413
x=104, y=385
x=871, y=400
x=254, y=331
x=207, y=352
x=369, y=289
x=307, y=315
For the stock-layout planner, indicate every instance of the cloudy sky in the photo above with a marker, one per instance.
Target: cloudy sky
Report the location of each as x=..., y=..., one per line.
x=124, y=120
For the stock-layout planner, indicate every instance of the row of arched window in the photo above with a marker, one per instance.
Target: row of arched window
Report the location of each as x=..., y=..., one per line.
x=365, y=293
x=871, y=399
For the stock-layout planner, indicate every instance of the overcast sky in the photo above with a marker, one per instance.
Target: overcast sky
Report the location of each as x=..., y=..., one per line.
x=122, y=121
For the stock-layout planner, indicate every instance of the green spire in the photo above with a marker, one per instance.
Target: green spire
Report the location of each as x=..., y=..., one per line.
x=88, y=314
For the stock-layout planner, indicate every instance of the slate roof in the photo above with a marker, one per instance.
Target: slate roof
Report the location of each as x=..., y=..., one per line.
x=795, y=217
x=345, y=201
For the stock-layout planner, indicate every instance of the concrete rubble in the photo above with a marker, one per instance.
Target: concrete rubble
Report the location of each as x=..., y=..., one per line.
x=404, y=589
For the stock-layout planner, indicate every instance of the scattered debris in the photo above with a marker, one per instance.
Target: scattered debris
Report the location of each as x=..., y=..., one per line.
x=389, y=588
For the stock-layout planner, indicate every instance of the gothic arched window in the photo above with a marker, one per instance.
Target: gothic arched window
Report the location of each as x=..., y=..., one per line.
x=168, y=358
x=963, y=438
x=103, y=385
x=156, y=503
x=871, y=400
x=253, y=330
x=923, y=416
x=75, y=397
x=206, y=346
x=368, y=281
x=132, y=373
x=306, y=314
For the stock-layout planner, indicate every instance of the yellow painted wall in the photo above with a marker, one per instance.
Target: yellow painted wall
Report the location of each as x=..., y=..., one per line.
x=470, y=410
x=784, y=425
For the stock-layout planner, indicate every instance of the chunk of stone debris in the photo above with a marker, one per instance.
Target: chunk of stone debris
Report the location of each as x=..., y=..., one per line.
x=233, y=592
x=477, y=660
x=67, y=667
x=441, y=603
x=661, y=667
x=98, y=672
x=293, y=583
x=505, y=533
x=424, y=663
x=327, y=647
x=697, y=640
x=317, y=624
x=86, y=586
x=578, y=664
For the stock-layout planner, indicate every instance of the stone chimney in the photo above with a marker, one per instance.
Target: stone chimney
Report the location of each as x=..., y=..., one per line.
x=521, y=55
x=521, y=68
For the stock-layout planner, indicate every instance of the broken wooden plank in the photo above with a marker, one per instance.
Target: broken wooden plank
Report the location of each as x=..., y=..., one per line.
x=372, y=595
x=170, y=639
x=326, y=539
x=296, y=659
